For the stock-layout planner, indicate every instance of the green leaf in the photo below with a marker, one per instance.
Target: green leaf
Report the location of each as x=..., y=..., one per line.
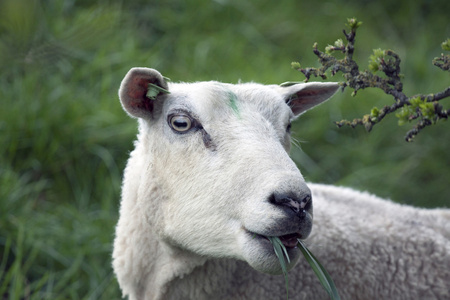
x=403, y=115
x=154, y=90
x=319, y=270
x=375, y=112
x=296, y=65
x=329, y=49
x=446, y=45
x=289, y=83
x=427, y=110
x=374, y=67
x=416, y=102
x=280, y=251
x=353, y=23
x=375, y=60
x=339, y=43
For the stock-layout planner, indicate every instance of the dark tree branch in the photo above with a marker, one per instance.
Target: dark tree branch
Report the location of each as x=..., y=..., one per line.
x=423, y=108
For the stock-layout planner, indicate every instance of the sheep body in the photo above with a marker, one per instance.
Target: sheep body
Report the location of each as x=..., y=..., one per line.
x=191, y=198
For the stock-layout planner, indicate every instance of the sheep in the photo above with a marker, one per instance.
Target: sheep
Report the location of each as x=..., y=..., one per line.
x=210, y=177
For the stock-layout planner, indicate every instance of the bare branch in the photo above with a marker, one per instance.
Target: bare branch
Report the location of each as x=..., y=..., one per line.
x=424, y=109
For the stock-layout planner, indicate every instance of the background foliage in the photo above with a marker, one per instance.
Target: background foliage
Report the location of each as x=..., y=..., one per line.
x=64, y=138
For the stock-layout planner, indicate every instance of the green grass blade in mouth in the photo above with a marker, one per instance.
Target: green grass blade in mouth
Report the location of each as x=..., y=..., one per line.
x=319, y=270
x=281, y=253
x=321, y=273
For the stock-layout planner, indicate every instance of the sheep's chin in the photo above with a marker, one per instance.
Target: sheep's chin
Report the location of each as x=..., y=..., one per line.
x=259, y=254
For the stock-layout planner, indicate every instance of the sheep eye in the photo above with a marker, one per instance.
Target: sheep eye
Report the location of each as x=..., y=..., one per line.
x=180, y=123
x=288, y=128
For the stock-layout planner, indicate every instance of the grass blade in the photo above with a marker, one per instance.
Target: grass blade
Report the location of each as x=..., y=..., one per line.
x=321, y=273
x=154, y=90
x=319, y=270
x=279, y=249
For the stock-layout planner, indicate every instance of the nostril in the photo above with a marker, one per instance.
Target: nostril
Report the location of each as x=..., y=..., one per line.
x=295, y=203
x=305, y=201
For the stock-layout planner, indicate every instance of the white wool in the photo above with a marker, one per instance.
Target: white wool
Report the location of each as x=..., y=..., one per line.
x=196, y=205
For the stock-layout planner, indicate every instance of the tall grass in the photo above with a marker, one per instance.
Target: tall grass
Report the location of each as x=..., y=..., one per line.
x=64, y=139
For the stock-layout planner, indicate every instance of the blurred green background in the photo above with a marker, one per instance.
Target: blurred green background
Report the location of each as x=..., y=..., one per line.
x=64, y=138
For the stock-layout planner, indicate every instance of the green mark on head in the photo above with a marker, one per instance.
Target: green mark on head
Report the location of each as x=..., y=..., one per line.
x=233, y=102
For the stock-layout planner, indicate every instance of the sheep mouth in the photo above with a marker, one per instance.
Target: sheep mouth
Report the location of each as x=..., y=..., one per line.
x=290, y=240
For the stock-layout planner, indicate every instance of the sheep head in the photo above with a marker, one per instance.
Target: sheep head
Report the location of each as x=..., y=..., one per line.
x=217, y=157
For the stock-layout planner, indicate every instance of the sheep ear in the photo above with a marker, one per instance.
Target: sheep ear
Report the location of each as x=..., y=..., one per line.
x=303, y=96
x=134, y=92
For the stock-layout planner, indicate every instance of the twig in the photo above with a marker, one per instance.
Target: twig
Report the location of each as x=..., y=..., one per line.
x=423, y=108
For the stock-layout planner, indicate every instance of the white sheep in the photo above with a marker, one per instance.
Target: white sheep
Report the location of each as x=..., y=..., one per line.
x=210, y=177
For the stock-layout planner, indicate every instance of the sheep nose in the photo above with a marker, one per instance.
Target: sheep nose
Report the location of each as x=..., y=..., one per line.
x=298, y=204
